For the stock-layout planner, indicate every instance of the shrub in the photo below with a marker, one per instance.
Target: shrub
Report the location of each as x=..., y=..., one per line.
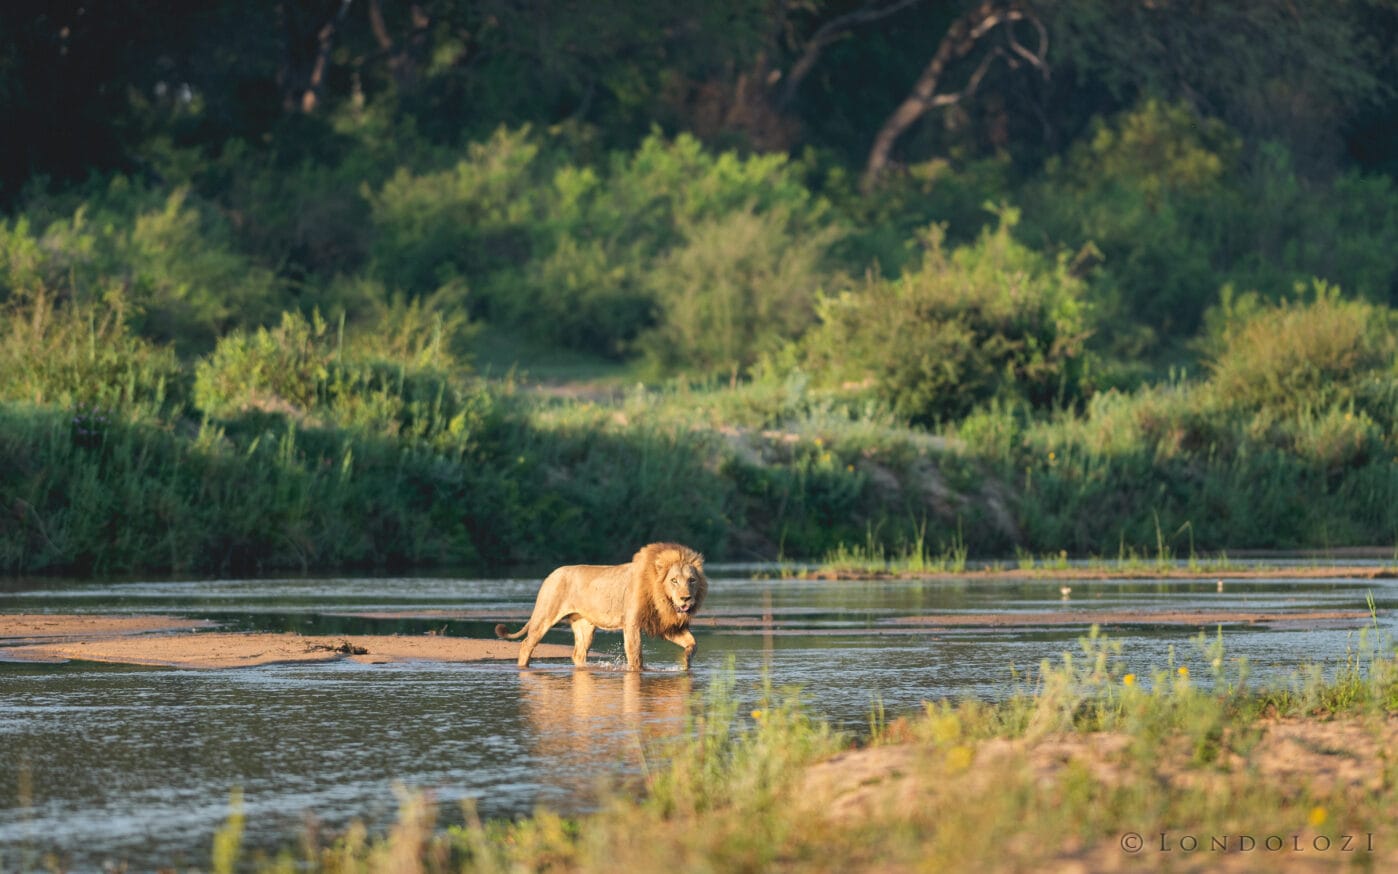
x=1284, y=229
x=577, y=255
x=79, y=355
x=301, y=369
x=1178, y=209
x=170, y=255
x=468, y=221
x=737, y=288
x=992, y=320
x=1145, y=190
x=1303, y=355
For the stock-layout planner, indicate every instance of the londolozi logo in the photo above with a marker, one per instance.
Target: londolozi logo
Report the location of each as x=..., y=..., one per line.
x=1170, y=842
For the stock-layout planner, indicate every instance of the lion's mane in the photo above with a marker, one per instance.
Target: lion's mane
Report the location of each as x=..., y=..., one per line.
x=658, y=616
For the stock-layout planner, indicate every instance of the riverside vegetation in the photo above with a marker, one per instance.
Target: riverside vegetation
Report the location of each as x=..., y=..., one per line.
x=311, y=443
x=310, y=333
x=1086, y=765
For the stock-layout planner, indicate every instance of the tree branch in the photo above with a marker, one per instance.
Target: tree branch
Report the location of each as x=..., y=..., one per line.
x=377, y=25
x=827, y=34
x=311, y=96
x=964, y=35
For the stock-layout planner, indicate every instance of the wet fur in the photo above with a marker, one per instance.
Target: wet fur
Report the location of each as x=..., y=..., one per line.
x=634, y=598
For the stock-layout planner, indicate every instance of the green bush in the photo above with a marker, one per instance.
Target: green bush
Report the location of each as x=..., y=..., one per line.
x=1302, y=355
x=302, y=369
x=1145, y=190
x=580, y=255
x=465, y=222
x=737, y=288
x=1282, y=229
x=1178, y=209
x=84, y=356
x=991, y=320
x=170, y=255
x=585, y=295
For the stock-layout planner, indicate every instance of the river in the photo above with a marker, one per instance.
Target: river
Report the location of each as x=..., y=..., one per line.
x=105, y=764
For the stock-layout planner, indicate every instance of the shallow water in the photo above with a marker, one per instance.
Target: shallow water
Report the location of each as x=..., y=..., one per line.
x=102, y=762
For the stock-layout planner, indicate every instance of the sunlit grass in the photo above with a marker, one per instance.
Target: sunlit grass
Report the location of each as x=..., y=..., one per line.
x=912, y=558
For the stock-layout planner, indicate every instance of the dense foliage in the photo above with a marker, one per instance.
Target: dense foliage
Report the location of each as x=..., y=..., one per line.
x=1065, y=274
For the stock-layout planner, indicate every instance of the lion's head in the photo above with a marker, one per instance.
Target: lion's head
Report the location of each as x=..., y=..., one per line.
x=672, y=576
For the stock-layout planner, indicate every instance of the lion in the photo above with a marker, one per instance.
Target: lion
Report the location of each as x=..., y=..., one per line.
x=657, y=592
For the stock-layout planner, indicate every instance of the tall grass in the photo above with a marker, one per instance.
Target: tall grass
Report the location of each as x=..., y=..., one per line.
x=317, y=445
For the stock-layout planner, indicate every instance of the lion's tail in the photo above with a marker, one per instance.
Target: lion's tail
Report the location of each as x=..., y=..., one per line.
x=503, y=632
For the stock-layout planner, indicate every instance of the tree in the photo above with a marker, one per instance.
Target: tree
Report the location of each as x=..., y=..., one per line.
x=987, y=30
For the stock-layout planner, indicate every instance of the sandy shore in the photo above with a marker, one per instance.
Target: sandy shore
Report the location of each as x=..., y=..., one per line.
x=173, y=642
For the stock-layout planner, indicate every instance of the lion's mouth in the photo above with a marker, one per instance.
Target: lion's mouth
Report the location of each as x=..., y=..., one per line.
x=682, y=608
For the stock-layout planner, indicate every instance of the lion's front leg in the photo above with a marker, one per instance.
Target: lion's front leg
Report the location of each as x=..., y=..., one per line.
x=631, y=637
x=684, y=639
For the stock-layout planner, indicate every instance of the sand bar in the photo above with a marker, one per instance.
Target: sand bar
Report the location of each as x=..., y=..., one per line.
x=26, y=628
x=173, y=642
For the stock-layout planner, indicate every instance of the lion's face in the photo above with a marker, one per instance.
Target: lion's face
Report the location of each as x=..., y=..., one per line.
x=682, y=586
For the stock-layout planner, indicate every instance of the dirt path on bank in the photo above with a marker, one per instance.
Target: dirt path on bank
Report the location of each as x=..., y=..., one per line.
x=167, y=641
x=1329, y=767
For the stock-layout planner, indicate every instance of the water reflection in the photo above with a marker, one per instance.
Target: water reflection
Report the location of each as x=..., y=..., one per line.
x=595, y=722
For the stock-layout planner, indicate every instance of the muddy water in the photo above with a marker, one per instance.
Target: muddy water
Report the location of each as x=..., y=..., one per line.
x=103, y=763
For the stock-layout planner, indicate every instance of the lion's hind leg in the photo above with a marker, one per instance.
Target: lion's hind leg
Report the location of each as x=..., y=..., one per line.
x=582, y=639
x=526, y=646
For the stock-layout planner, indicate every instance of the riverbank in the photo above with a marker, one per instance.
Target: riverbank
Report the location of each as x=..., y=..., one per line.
x=1090, y=770
x=488, y=474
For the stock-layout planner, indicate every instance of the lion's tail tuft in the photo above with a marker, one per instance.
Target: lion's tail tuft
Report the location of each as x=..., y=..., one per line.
x=503, y=632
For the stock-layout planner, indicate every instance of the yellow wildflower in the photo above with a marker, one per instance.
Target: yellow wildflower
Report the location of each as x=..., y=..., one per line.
x=959, y=757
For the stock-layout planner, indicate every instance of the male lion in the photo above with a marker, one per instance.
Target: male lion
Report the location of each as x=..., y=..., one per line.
x=657, y=592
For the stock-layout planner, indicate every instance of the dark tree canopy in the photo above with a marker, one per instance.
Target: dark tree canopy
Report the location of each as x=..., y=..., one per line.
x=85, y=85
